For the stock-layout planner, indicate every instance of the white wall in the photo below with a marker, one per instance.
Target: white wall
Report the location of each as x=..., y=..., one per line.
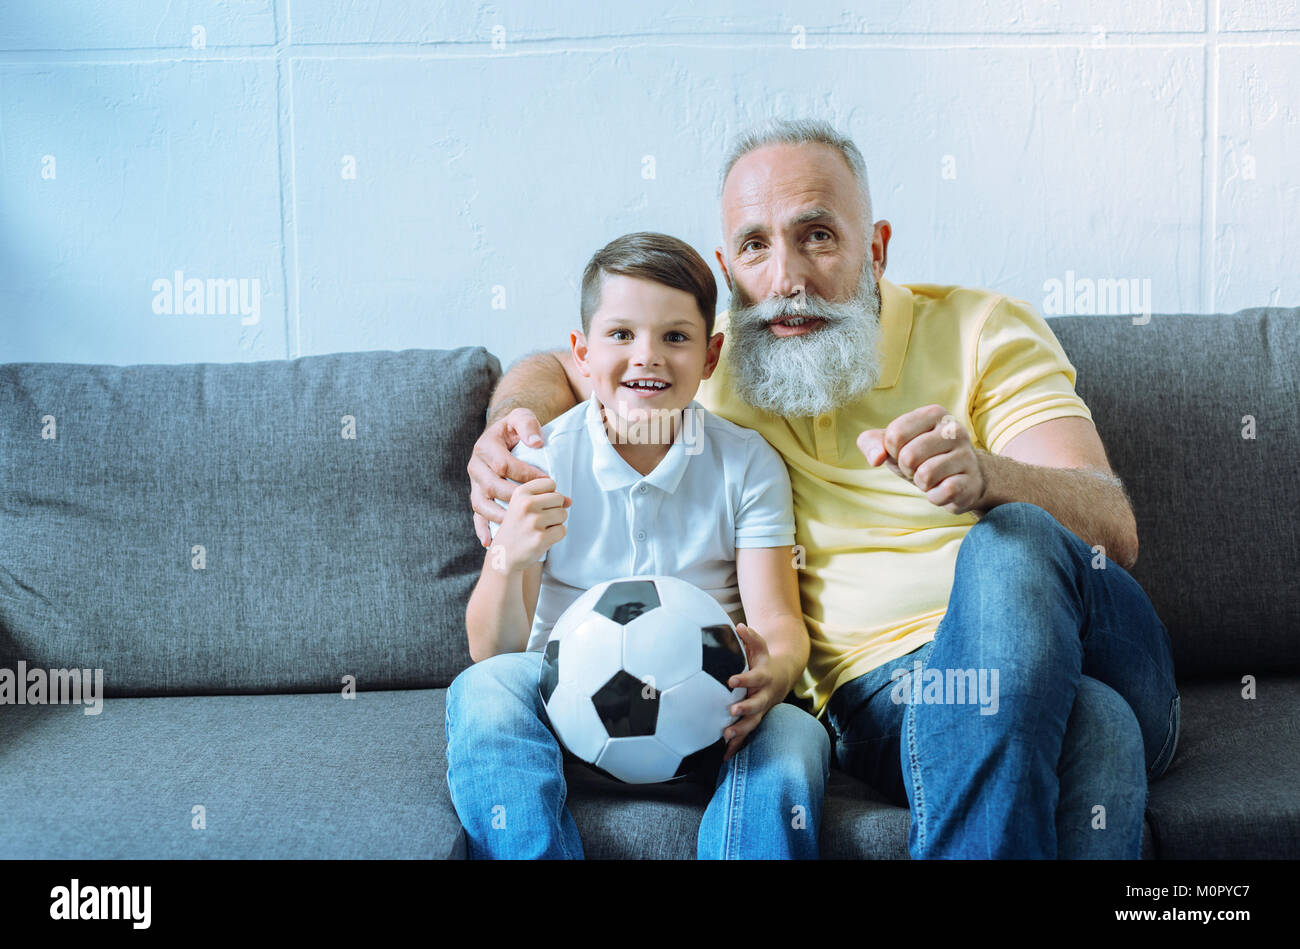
x=1009, y=143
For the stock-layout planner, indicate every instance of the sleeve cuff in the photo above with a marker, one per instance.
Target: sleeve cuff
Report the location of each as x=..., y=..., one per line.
x=784, y=539
x=1008, y=432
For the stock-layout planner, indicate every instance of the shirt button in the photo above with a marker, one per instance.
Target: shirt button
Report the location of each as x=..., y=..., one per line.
x=640, y=535
x=824, y=422
x=641, y=489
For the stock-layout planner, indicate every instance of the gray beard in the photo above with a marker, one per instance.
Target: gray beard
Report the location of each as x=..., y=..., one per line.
x=806, y=375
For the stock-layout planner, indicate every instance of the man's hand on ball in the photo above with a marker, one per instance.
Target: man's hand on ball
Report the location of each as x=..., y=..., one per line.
x=763, y=691
x=930, y=449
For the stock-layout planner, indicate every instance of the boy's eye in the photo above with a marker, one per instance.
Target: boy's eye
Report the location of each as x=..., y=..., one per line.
x=615, y=333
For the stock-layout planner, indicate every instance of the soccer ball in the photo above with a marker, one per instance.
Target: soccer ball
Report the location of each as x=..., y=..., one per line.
x=634, y=678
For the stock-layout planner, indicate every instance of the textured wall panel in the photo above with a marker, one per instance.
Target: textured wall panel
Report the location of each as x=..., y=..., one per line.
x=157, y=167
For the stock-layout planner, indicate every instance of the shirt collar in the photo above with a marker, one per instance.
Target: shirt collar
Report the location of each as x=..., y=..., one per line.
x=895, y=331
x=613, y=472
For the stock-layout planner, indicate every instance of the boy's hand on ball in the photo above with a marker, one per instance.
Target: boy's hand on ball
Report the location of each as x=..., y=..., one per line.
x=533, y=523
x=761, y=691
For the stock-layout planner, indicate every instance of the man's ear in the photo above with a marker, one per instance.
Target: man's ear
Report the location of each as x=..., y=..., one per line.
x=722, y=262
x=880, y=247
x=711, y=355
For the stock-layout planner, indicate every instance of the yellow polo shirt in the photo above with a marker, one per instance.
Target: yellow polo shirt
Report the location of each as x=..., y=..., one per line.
x=879, y=557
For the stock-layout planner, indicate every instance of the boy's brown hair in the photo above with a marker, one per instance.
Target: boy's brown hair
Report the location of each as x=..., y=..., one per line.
x=656, y=257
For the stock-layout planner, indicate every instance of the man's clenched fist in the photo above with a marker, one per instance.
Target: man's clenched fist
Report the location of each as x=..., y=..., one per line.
x=931, y=450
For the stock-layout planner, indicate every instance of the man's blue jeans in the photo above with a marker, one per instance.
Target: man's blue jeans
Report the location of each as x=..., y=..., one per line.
x=1086, y=705
x=505, y=770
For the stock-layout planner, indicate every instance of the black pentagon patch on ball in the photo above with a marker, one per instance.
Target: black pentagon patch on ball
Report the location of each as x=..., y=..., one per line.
x=626, y=600
x=723, y=657
x=703, y=763
x=550, y=675
x=624, y=708
x=600, y=771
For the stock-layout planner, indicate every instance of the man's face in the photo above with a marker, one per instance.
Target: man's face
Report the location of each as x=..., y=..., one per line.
x=645, y=331
x=805, y=303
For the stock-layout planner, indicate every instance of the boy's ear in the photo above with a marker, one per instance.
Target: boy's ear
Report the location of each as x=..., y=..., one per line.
x=578, y=346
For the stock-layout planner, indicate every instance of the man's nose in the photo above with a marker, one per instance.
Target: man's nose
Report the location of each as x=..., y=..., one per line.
x=789, y=280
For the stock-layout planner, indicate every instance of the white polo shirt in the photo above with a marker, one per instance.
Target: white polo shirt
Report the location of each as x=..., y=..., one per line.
x=720, y=487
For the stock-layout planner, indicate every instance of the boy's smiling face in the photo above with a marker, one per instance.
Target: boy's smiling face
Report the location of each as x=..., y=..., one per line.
x=645, y=331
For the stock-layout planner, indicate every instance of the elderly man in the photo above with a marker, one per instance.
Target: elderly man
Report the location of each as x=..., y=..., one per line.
x=978, y=648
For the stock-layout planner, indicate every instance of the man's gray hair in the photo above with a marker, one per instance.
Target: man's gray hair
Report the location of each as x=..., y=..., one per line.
x=801, y=132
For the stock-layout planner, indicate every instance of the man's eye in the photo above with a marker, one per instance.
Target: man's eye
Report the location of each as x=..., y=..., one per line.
x=745, y=246
x=820, y=231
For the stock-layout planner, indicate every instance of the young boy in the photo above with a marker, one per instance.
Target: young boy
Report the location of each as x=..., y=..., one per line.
x=709, y=502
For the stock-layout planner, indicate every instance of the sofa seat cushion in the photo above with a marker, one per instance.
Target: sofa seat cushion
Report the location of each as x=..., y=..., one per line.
x=1231, y=790
x=618, y=821
x=305, y=775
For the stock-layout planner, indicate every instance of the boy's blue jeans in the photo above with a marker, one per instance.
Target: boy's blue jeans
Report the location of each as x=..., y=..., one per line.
x=505, y=770
x=1086, y=705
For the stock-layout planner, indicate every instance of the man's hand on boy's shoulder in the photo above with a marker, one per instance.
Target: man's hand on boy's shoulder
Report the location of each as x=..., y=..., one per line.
x=766, y=682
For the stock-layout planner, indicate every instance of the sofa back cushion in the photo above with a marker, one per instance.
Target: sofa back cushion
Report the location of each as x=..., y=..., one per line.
x=1216, y=511
x=324, y=556
x=248, y=527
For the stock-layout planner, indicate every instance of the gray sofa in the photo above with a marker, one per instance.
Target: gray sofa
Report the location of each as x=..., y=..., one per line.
x=209, y=538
